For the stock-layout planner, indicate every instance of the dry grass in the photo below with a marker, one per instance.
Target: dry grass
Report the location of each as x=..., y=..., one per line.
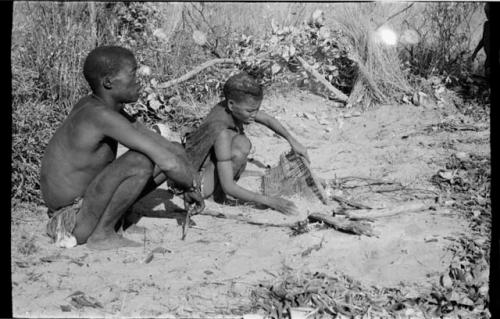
x=380, y=78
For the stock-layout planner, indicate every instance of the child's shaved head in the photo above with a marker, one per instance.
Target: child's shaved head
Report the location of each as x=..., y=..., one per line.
x=240, y=86
x=105, y=61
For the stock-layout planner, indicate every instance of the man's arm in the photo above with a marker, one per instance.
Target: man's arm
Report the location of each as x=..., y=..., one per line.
x=170, y=146
x=226, y=177
x=114, y=125
x=479, y=46
x=273, y=124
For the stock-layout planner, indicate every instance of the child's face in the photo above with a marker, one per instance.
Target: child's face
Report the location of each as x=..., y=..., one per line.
x=126, y=87
x=246, y=110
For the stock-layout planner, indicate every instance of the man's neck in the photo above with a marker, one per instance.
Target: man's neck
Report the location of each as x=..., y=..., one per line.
x=108, y=101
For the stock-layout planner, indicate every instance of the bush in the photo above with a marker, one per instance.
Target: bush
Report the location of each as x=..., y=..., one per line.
x=445, y=40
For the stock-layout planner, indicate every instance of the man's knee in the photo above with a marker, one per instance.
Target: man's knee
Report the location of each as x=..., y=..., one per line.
x=241, y=146
x=138, y=163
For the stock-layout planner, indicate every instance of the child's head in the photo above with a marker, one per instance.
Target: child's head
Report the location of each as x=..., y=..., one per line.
x=112, y=63
x=243, y=95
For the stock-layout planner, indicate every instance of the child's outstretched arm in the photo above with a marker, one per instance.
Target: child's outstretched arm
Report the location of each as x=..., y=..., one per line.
x=225, y=172
x=272, y=123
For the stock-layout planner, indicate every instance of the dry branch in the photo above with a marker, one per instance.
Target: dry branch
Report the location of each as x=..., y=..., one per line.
x=342, y=224
x=338, y=94
x=193, y=72
x=348, y=202
x=386, y=212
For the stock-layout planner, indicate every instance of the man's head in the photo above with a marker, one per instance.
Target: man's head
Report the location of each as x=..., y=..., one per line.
x=243, y=95
x=112, y=69
x=487, y=10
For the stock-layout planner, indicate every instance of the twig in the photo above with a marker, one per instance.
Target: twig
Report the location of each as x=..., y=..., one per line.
x=187, y=220
x=246, y=220
x=386, y=212
x=395, y=14
x=348, y=202
x=193, y=72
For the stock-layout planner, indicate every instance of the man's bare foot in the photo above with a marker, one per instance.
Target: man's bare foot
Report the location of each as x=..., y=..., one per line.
x=110, y=241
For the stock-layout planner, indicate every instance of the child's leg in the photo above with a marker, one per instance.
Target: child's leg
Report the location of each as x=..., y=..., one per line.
x=240, y=148
x=107, y=198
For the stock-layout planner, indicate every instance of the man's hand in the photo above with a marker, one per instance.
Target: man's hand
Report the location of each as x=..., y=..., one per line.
x=300, y=149
x=283, y=206
x=194, y=198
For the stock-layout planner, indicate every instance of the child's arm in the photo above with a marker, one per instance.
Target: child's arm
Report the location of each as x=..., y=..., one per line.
x=226, y=177
x=272, y=123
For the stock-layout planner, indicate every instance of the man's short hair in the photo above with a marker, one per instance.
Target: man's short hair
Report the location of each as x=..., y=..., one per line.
x=240, y=86
x=105, y=61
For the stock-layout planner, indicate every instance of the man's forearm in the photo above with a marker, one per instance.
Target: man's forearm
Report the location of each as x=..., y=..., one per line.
x=177, y=167
x=479, y=46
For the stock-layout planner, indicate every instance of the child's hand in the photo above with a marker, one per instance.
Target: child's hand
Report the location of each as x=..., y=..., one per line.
x=301, y=150
x=283, y=206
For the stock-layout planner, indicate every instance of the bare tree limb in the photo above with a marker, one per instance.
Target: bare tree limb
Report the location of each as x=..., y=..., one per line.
x=338, y=94
x=193, y=72
x=396, y=14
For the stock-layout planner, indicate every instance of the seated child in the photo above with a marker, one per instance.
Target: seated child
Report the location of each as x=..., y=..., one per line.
x=86, y=188
x=218, y=148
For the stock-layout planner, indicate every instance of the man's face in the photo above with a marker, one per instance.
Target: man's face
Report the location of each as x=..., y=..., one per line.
x=246, y=110
x=126, y=87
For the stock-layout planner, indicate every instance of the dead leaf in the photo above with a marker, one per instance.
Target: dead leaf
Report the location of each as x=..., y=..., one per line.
x=199, y=37
x=22, y=264
x=65, y=308
x=161, y=250
x=446, y=174
x=275, y=68
x=446, y=281
x=80, y=301
x=149, y=258
x=466, y=301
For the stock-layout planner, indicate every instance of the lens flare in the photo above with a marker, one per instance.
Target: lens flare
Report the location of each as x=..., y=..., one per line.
x=387, y=36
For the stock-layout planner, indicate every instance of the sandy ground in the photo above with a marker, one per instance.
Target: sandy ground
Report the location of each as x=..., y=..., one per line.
x=214, y=270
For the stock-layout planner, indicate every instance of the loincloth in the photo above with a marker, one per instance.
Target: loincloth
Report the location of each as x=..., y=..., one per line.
x=62, y=223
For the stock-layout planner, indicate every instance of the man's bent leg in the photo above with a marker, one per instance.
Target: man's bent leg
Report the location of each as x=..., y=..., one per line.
x=158, y=178
x=107, y=198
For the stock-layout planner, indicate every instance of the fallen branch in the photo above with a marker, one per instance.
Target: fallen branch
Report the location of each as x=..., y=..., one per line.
x=338, y=94
x=246, y=220
x=386, y=212
x=193, y=72
x=348, y=202
x=342, y=224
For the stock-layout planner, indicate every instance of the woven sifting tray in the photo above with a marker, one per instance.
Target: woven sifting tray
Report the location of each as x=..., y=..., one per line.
x=292, y=175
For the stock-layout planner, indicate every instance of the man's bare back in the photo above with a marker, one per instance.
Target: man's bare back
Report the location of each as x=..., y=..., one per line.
x=80, y=159
x=77, y=152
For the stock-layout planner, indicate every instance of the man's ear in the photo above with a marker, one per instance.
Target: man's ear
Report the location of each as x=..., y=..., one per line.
x=230, y=105
x=107, y=82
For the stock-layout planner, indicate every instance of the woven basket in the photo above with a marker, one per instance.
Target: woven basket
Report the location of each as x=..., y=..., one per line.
x=292, y=175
